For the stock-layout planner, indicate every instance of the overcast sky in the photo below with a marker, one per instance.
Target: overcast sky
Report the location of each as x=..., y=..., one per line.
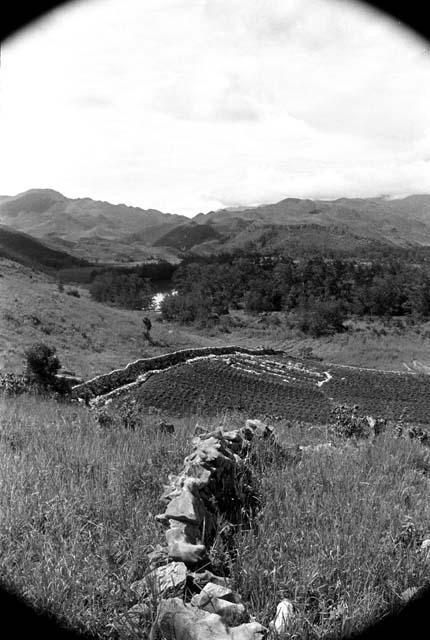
x=193, y=105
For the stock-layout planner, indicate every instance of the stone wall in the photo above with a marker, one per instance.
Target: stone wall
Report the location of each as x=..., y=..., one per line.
x=107, y=382
x=195, y=600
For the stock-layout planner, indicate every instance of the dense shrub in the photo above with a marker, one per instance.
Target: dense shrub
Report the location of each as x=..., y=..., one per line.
x=73, y=292
x=125, y=290
x=184, y=308
x=322, y=318
x=42, y=366
x=42, y=362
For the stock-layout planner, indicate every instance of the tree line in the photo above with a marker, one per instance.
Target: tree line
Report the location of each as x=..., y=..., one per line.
x=131, y=287
x=336, y=287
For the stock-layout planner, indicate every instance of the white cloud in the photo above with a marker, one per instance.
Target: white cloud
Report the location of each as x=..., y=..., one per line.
x=187, y=105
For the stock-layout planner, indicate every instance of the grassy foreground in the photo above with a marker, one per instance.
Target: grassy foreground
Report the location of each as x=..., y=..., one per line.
x=76, y=506
x=338, y=532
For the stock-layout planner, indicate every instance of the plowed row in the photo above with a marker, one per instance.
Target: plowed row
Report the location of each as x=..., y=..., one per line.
x=214, y=386
x=284, y=388
x=382, y=394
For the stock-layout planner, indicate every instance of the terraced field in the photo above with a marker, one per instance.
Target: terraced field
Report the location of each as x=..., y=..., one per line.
x=384, y=394
x=285, y=387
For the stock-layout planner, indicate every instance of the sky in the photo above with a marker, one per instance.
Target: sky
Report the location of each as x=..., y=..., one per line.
x=187, y=106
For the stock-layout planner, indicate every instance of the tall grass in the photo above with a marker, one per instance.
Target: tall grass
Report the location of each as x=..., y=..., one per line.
x=338, y=534
x=338, y=531
x=76, y=506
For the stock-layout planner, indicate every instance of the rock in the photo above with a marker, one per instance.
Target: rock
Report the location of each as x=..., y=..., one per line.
x=283, y=618
x=158, y=557
x=182, y=531
x=199, y=430
x=425, y=548
x=186, y=507
x=371, y=421
x=184, y=544
x=160, y=581
x=220, y=606
x=179, y=621
x=216, y=590
x=259, y=428
x=233, y=436
x=200, y=579
x=195, y=470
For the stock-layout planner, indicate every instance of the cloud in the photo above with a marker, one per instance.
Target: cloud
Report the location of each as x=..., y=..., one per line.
x=186, y=105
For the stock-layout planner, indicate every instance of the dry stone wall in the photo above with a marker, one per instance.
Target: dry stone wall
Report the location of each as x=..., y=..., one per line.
x=195, y=601
x=103, y=384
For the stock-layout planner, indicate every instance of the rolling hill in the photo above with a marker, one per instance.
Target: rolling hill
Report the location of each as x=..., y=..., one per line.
x=403, y=222
x=100, y=231
x=26, y=250
x=42, y=212
x=186, y=236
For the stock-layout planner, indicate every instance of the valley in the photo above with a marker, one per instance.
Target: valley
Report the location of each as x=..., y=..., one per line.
x=334, y=517
x=100, y=231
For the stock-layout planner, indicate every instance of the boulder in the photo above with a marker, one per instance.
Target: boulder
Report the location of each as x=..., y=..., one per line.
x=217, y=590
x=259, y=428
x=185, y=507
x=220, y=606
x=162, y=580
x=179, y=621
x=184, y=544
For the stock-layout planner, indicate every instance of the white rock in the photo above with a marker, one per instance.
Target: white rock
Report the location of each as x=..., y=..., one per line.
x=425, y=548
x=283, y=618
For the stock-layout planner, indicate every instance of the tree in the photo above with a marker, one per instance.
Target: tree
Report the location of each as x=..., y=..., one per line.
x=320, y=318
x=42, y=364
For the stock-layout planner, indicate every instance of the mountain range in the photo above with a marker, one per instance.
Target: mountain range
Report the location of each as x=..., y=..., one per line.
x=100, y=231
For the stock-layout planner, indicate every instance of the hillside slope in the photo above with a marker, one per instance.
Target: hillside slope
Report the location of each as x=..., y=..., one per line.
x=26, y=250
x=40, y=212
x=186, y=236
x=403, y=222
x=90, y=337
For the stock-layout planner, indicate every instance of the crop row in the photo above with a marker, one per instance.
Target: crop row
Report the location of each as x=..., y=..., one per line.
x=285, y=389
x=382, y=394
x=214, y=386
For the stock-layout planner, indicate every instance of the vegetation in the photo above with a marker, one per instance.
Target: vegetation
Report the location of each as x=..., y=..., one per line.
x=128, y=288
x=128, y=291
x=77, y=504
x=338, y=531
x=29, y=251
x=338, y=534
x=278, y=389
x=320, y=291
x=42, y=363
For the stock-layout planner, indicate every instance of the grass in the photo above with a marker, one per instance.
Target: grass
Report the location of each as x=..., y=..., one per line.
x=92, y=338
x=77, y=503
x=338, y=532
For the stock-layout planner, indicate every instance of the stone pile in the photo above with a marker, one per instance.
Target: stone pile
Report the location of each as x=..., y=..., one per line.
x=197, y=604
